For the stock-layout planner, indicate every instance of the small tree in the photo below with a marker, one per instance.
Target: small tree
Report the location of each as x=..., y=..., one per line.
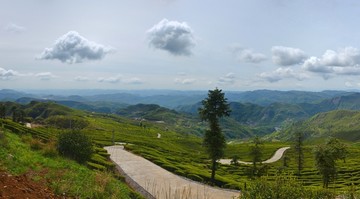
x=235, y=160
x=256, y=154
x=75, y=145
x=214, y=107
x=14, y=113
x=298, y=146
x=2, y=111
x=326, y=157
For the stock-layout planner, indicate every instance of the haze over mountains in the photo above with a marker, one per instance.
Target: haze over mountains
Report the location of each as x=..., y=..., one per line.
x=257, y=112
x=171, y=98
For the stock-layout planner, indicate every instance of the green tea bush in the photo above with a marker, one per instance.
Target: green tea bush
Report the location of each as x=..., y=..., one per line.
x=195, y=177
x=283, y=187
x=67, y=122
x=75, y=145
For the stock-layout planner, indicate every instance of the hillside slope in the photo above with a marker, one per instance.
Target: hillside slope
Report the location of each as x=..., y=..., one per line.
x=343, y=124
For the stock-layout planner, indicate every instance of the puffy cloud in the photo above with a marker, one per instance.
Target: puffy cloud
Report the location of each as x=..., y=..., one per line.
x=348, y=84
x=227, y=79
x=247, y=55
x=345, y=61
x=74, y=48
x=7, y=74
x=282, y=73
x=184, y=81
x=13, y=28
x=175, y=37
x=286, y=56
x=348, y=56
x=45, y=75
x=313, y=64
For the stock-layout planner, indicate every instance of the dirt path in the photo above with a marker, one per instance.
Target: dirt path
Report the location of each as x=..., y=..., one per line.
x=277, y=156
x=161, y=183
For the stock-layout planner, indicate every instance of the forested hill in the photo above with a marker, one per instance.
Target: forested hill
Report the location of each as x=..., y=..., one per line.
x=343, y=124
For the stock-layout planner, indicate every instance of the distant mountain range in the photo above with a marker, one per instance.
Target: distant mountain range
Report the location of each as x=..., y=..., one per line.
x=172, y=98
x=253, y=112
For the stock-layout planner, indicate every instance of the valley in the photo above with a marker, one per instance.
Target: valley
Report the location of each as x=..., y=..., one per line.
x=179, y=149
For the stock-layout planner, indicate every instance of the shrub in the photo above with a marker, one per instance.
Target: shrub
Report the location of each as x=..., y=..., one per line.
x=3, y=140
x=49, y=150
x=36, y=144
x=75, y=145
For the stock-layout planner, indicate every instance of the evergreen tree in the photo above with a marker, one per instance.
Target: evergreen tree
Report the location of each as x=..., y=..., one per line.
x=2, y=111
x=214, y=107
x=326, y=157
x=256, y=155
x=298, y=146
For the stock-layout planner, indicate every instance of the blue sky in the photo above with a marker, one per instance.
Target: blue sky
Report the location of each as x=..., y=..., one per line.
x=180, y=44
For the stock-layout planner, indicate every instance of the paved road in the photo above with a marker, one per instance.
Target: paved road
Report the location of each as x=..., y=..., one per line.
x=277, y=156
x=161, y=183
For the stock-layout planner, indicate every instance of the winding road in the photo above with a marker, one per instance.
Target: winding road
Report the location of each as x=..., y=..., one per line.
x=159, y=183
x=277, y=156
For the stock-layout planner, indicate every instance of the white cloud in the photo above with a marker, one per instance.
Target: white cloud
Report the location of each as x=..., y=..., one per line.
x=112, y=80
x=184, y=81
x=313, y=64
x=74, y=48
x=349, y=84
x=247, y=55
x=345, y=61
x=133, y=80
x=353, y=70
x=175, y=37
x=227, y=79
x=7, y=74
x=14, y=28
x=81, y=79
x=282, y=73
x=286, y=56
x=348, y=56
x=45, y=75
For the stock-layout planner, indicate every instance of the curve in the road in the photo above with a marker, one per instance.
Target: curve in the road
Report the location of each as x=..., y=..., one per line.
x=277, y=156
x=160, y=183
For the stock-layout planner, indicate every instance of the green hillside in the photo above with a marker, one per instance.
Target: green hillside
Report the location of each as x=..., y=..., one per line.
x=180, y=153
x=185, y=123
x=343, y=124
x=18, y=156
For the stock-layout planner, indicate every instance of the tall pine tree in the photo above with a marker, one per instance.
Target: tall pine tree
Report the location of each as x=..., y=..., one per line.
x=214, y=107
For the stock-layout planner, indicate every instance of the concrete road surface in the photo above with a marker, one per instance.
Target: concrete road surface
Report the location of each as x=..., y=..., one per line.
x=160, y=183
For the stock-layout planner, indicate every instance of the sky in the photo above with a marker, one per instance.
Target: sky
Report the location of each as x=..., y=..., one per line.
x=234, y=45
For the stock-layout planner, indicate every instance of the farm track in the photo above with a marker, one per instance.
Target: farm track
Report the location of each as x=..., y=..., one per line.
x=160, y=183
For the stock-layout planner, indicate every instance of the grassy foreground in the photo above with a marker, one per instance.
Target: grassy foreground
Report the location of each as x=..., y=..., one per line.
x=65, y=177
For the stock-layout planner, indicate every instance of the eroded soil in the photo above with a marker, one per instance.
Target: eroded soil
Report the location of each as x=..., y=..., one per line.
x=22, y=187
